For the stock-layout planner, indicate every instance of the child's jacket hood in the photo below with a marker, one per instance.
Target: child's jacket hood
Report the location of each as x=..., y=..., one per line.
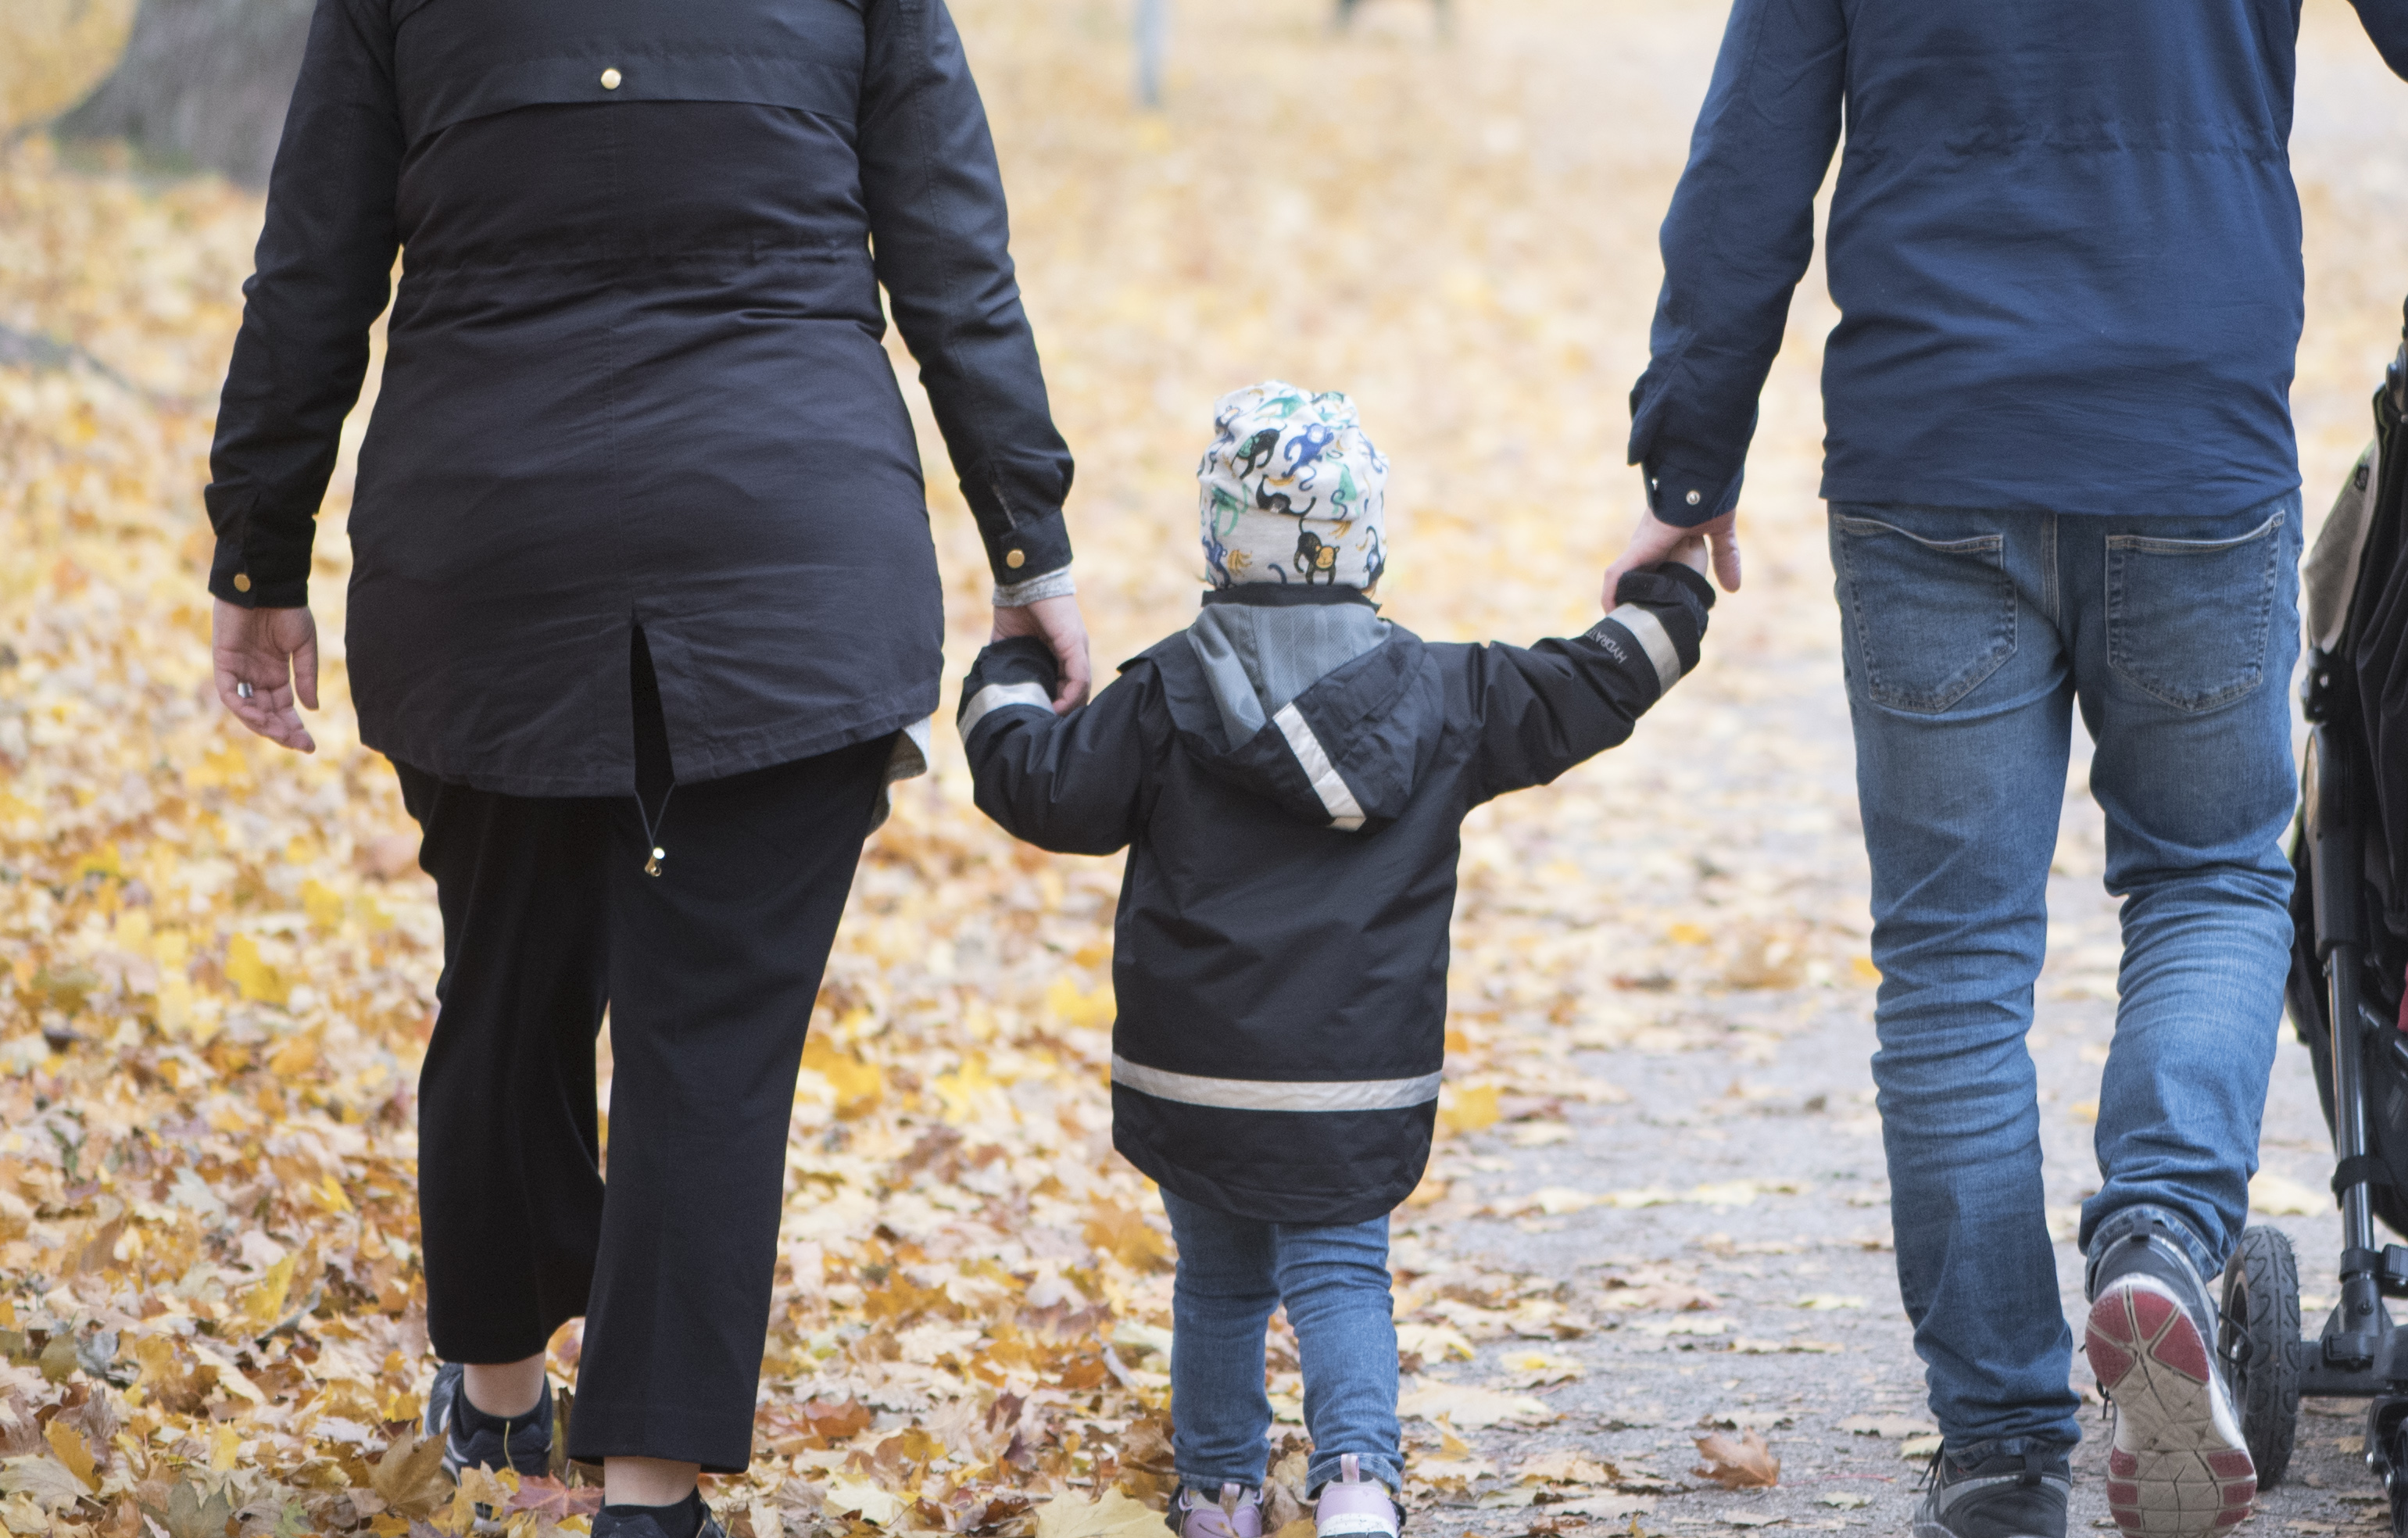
x=1306, y=697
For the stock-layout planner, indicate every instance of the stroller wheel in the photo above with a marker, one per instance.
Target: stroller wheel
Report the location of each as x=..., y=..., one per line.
x=2258, y=1338
x=2386, y=1419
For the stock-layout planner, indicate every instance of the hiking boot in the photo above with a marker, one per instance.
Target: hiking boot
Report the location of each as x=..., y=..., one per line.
x=1350, y=1504
x=473, y=1439
x=2178, y=1467
x=1239, y=1513
x=2012, y=1495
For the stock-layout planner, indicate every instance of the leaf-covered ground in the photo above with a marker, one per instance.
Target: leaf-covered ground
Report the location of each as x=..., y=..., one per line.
x=1658, y=1198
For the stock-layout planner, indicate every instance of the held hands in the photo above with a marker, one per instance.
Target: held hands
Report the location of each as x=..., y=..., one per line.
x=1655, y=540
x=275, y=653
x=1058, y=622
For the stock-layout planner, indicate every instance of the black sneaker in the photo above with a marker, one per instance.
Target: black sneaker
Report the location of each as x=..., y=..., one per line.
x=2012, y=1495
x=473, y=1439
x=2178, y=1467
x=640, y=1522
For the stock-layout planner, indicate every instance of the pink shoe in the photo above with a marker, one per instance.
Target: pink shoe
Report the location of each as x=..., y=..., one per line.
x=1349, y=1505
x=1239, y=1513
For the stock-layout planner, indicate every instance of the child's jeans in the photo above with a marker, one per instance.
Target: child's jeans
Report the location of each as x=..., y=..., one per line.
x=1232, y=1272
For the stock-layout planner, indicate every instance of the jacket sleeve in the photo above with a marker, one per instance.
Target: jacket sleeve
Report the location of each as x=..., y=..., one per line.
x=1075, y=783
x=941, y=242
x=1553, y=705
x=2387, y=23
x=1737, y=238
x=320, y=277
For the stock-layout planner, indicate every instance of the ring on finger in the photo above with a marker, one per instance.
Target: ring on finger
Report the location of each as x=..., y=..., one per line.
x=242, y=691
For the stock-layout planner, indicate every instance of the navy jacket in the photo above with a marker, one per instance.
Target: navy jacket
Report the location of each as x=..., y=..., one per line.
x=2064, y=244
x=634, y=375
x=1281, y=950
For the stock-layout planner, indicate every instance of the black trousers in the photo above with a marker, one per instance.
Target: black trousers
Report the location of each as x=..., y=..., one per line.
x=710, y=970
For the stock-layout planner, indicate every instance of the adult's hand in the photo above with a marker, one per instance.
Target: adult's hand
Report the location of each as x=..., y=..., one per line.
x=1655, y=540
x=275, y=650
x=1058, y=621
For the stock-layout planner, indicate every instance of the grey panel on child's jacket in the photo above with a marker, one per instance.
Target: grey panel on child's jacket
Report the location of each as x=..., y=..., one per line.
x=1258, y=656
x=1280, y=961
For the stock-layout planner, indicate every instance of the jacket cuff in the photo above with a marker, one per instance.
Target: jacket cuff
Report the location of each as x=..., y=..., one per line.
x=1053, y=585
x=1686, y=496
x=256, y=565
x=242, y=582
x=1027, y=548
x=1019, y=671
x=1662, y=607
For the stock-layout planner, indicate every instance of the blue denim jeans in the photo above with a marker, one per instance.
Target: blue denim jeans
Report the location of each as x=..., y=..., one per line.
x=1232, y=1272
x=1970, y=638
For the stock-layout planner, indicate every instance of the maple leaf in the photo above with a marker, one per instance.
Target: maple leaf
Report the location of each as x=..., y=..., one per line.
x=552, y=1500
x=1737, y=1462
x=252, y=976
x=1472, y=1408
x=1123, y=1233
x=836, y=1419
x=1565, y=1468
x=57, y=1359
x=260, y=1305
x=1111, y=1516
x=876, y=1506
x=193, y=1511
x=69, y=1443
x=1469, y=1109
x=411, y=1476
x=51, y=1483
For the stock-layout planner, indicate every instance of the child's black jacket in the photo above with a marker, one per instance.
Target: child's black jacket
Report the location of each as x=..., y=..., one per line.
x=1281, y=951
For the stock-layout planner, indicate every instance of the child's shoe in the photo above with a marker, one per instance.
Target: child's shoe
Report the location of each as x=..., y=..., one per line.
x=1350, y=1506
x=1239, y=1513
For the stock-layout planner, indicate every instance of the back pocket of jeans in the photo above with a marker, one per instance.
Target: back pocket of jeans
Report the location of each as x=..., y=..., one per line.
x=1932, y=619
x=2187, y=619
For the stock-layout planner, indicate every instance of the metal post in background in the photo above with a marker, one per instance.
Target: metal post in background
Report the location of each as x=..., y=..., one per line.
x=1153, y=21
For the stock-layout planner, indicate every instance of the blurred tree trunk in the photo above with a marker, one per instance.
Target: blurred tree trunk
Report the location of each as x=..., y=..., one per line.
x=203, y=85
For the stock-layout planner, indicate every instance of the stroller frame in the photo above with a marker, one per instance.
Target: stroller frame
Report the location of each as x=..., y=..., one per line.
x=2360, y=1353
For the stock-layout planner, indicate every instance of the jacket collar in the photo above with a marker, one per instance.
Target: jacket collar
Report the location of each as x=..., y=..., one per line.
x=1285, y=595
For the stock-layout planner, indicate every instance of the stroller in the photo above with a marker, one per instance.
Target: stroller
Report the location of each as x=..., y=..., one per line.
x=2349, y=951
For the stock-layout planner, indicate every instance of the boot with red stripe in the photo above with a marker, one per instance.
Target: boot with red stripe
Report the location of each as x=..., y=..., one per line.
x=2177, y=1467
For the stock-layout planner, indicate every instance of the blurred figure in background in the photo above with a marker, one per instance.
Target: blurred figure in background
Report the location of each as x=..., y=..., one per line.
x=1440, y=9
x=2065, y=247
x=643, y=607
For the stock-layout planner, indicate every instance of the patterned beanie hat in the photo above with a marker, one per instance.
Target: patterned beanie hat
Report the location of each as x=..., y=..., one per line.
x=1292, y=491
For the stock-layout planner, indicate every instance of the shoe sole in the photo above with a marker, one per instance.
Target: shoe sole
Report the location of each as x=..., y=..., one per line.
x=2178, y=1467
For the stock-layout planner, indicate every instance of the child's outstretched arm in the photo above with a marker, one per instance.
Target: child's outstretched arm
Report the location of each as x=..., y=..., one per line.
x=1074, y=783
x=1548, y=707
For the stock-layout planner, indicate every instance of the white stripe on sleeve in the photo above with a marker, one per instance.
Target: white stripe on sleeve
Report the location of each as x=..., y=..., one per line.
x=1276, y=1095
x=995, y=697
x=1653, y=638
x=1345, y=812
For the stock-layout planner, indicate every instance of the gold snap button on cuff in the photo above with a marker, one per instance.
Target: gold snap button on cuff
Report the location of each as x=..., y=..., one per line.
x=242, y=582
x=610, y=79
x=1015, y=560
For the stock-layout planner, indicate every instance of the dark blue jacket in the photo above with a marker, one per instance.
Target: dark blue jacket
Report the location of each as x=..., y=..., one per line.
x=2064, y=244
x=1280, y=956
x=633, y=374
